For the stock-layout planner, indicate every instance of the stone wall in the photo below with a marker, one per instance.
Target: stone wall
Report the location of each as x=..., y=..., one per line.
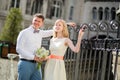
x=5, y=68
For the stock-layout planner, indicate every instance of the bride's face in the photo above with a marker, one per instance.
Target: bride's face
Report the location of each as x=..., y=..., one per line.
x=58, y=27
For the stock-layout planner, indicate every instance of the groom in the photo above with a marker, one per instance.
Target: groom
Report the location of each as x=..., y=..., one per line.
x=28, y=41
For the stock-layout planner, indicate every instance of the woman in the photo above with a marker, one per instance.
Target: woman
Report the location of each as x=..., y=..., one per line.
x=55, y=67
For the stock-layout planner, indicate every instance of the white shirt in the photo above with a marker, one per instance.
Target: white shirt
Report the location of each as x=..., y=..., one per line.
x=28, y=42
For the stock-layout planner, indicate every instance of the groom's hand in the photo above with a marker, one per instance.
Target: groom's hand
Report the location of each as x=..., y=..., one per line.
x=72, y=24
x=37, y=59
x=41, y=59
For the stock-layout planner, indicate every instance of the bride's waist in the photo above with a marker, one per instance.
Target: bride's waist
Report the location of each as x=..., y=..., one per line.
x=53, y=56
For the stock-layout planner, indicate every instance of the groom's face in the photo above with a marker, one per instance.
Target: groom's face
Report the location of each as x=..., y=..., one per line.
x=37, y=22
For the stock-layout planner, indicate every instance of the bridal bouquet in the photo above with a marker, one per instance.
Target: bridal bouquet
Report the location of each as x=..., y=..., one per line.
x=42, y=53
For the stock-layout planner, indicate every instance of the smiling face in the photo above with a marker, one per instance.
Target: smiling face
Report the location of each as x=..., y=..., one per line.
x=37, y=22
x=58, y=27
x=61, y=28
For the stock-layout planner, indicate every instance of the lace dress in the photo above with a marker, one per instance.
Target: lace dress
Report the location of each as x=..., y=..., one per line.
x=55, y=68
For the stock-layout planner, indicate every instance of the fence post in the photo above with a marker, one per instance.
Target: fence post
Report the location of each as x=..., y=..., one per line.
x=104, y=65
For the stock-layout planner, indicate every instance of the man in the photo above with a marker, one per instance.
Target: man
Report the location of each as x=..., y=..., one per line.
x=28, y=41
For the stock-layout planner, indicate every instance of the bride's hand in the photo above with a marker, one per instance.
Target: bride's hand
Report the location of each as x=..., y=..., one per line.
x=82, y=30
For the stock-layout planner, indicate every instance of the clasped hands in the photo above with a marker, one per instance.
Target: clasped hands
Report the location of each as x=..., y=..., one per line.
x=38, y=59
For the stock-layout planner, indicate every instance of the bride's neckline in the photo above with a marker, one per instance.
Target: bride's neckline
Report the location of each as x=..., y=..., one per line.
x=59, y=38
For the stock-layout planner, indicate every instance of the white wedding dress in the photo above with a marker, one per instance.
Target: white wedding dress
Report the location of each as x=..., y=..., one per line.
x=55, y=68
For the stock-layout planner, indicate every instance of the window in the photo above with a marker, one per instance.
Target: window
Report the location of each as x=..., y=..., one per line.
x=100, y=11
x=106, y=12
x=28, y=7
x=56, y=9
x=71, y=12
x=113, y=13
x=37, y=6
x=94, y=12
x=15, y=3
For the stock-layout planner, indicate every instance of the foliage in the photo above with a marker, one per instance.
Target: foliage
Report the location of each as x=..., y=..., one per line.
x=12, y=26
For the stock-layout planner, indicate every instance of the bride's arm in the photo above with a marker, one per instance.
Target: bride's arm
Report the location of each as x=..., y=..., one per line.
x=75, y=48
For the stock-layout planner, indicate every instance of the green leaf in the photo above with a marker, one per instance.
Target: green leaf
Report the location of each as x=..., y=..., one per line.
x=12, y=27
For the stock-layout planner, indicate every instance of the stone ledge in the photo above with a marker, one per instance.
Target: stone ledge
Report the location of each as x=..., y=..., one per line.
x=5, y=67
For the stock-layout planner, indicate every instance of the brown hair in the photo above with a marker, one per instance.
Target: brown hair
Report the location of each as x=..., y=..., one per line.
x=65, y=29
x=39, y=15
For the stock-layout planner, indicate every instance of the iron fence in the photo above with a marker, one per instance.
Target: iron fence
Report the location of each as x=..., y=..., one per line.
x=94, y=61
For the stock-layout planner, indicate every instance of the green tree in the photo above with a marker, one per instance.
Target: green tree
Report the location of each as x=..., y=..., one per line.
x=12, y=26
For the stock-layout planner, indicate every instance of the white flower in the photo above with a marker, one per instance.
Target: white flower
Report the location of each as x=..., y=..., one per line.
x=42, y=53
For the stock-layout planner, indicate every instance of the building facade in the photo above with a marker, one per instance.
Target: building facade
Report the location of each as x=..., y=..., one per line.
x=99, y=15
x=92, y=12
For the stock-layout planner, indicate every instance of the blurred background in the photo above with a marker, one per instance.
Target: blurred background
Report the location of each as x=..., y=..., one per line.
x=100, y=16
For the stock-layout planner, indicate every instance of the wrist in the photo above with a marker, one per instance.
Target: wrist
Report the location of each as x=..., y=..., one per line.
x=35, y=58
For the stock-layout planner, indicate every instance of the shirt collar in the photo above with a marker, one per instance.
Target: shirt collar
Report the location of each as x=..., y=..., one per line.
x=32, y=28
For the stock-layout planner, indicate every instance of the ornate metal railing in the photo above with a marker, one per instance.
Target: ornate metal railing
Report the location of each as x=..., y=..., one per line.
x=94, y=61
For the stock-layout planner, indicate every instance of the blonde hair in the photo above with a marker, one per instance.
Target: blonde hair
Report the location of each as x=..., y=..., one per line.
x=65, y=29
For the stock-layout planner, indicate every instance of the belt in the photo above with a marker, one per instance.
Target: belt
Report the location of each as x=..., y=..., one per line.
x=33, y=61
x=52, y=56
